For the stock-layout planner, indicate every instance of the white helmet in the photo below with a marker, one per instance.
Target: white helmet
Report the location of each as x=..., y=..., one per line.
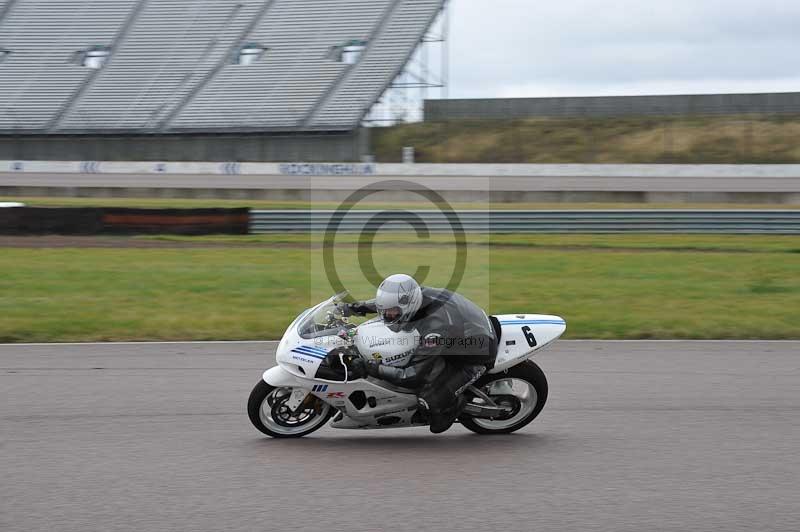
x=398, y=299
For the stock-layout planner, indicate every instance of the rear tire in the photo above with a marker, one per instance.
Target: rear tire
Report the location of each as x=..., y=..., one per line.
x=527, y=371
x=259, y=398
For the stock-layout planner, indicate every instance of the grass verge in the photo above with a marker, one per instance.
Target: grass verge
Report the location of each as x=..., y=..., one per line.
x=610, y=287
x=690, y=139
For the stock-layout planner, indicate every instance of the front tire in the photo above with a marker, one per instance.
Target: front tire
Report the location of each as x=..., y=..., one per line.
x=532, y=397
x=269, y=416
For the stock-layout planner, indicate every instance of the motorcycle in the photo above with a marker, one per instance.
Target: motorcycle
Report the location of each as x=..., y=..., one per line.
x=310, y=384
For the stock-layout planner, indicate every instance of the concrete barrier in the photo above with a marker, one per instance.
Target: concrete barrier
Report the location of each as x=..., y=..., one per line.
x=410, y=170
x=502, y=183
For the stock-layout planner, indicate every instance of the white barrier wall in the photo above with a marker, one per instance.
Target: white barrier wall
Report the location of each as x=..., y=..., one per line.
x=417, y=170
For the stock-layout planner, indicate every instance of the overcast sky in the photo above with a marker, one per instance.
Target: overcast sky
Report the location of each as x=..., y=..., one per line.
x=515, y=48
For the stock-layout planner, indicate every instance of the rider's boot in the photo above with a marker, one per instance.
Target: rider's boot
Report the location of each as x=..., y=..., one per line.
x=423, y=413
x=442, y=420
x=444, y=397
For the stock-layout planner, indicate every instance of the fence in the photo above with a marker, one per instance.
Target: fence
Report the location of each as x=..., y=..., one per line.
x=613, y=106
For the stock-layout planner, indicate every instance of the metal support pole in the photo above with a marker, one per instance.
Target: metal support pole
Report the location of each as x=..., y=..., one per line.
x=445, y=63
x=424, y=88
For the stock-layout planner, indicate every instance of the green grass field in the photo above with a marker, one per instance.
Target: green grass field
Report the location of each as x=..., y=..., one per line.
x=605, y=286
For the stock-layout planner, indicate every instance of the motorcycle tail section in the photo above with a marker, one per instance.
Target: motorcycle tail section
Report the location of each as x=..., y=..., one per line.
x=522, y=335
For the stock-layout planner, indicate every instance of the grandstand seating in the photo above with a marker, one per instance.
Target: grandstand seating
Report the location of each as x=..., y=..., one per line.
x=270, y=93
x=172, y=67
x=385, y=59
x=39, y=77
x=173, y=44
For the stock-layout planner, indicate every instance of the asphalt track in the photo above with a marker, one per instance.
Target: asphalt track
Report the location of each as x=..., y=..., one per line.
x=689, y=183
x=636, y=436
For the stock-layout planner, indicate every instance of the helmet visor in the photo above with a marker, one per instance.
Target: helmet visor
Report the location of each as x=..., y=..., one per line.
x=391, y=315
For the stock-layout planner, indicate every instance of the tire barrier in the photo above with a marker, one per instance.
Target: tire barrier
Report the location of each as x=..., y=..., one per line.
x=120, y=221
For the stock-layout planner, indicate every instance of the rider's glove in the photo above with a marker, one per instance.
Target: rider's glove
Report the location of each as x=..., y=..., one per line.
x=357, y=369
x=360, y=368
x=354, y=309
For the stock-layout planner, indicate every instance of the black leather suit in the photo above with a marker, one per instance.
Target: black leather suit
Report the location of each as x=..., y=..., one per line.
x=457, y=344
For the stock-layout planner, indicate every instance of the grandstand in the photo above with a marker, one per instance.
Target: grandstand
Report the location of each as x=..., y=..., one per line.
x=175, y=69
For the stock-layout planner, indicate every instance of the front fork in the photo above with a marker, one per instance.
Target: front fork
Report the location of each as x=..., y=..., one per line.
x=310, y=401
x=300, y=398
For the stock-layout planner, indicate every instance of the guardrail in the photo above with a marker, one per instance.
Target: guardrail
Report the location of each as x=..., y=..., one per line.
x=511, y=221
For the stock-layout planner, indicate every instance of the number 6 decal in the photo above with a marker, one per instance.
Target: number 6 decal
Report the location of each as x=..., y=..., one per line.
x=529, y=336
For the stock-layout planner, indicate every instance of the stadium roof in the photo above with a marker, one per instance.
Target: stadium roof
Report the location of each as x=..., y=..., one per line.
x=170, y=66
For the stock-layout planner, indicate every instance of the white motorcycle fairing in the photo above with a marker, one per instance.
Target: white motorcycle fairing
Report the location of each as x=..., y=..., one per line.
x=300, y=356
x=376, y=341
x=398, y=408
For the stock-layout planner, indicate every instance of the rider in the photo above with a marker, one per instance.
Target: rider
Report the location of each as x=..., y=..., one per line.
x=457, y=344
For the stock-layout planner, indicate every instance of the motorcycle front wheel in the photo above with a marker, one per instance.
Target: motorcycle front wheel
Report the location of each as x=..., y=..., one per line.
x=268, y=412
x=522, y=388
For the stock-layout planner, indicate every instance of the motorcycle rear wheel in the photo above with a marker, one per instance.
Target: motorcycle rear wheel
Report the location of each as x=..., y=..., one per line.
x=529, y=389
x=268, y=414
